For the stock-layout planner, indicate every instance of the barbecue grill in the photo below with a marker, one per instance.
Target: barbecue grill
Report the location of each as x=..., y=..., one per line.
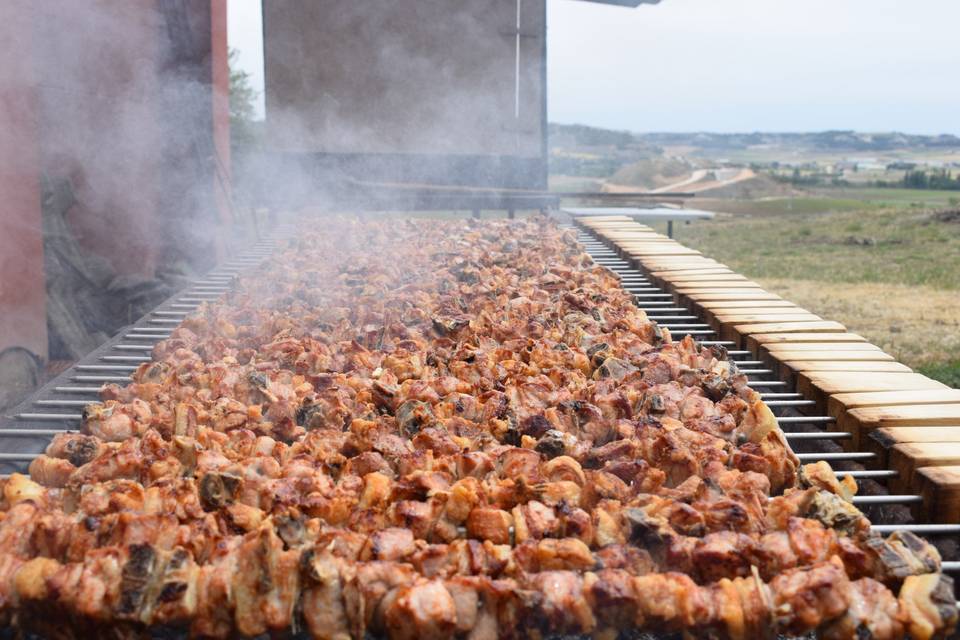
x=891, y=501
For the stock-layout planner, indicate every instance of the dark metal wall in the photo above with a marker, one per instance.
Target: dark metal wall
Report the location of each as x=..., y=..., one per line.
x=421, y=91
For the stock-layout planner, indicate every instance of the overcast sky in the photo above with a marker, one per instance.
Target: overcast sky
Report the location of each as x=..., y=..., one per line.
x=736, y=65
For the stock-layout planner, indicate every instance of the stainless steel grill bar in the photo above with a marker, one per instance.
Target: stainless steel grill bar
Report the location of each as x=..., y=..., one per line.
x=33, y=433
x=100, y=378
x=869, y=474
x=124, y=358
x=928, y=529
x=785, y=396
x=888, y=499
x=86, y=390
x=661, y=319
x=789, y=403
x=683, y=326
x=17, y=457
x=805, y=419
x=818, y=435
x=839, y=455
x=61, y=403
x=48, y=417
x=105, y=367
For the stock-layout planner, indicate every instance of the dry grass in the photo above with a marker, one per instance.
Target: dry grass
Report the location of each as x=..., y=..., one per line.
x=917, y=325
x=890, y=272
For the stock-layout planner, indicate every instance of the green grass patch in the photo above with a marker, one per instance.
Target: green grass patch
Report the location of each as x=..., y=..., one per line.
x=883, y=245
x=785, y=206
x=946, y=372
x=891, y=197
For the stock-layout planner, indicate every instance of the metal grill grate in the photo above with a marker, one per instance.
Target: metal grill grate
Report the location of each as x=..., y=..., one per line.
x=58, y=406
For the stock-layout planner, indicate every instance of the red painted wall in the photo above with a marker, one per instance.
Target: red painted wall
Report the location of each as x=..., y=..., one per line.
x=22, y=295
x=100, y=92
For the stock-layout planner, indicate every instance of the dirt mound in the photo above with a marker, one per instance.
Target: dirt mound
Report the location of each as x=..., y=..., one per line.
x=651, y=173
x=760, y=186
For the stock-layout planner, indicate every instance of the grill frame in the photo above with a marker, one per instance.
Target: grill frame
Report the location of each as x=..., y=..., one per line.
x=27, y=429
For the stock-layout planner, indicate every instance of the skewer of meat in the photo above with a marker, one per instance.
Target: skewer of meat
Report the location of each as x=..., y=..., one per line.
x=257, y=585
x=632, y=538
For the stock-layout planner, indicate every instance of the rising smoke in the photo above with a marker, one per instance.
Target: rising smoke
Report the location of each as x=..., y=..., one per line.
x=378, y=91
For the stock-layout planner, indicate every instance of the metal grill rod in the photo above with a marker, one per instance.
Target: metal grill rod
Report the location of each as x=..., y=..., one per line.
x=928, y=529
x=33, y=433
x=805, y=419
x=818, y=435
x=888, y=499
x=789, y=403
x=51, y=417
x=869, y=474
x=839, y=455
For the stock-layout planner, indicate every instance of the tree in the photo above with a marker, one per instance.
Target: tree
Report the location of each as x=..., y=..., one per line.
x=242, y=104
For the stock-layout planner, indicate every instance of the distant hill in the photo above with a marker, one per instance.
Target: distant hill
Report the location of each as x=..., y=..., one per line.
x=566, y=136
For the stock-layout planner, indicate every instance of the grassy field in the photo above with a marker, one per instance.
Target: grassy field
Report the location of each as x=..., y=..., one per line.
x=888, y=270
